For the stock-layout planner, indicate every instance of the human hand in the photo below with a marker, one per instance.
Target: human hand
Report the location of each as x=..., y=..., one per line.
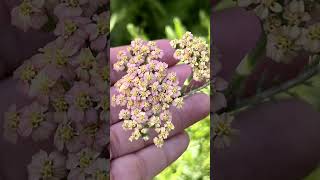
x=143, y=160
x=278, y=141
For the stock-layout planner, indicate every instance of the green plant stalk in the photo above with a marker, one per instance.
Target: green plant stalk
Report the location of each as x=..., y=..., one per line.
x=191, y=92
x=267, y=94
x=236, y=86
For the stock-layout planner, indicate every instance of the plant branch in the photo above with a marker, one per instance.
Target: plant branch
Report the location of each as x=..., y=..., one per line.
x=191, y=92
x=267, y=94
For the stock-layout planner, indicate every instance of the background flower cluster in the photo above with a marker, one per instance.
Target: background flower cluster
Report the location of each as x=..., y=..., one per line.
x=292, y=26
x=67, y=82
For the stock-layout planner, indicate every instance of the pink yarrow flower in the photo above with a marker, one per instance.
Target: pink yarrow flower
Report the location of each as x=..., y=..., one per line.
x=44, y=166
x=80, y=164
x=80, y=98
x=98, y=31
x=66, y=135
x=36, y=122
x=29, y=14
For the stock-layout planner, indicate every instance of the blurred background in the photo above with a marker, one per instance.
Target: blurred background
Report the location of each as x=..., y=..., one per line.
x=167, y=19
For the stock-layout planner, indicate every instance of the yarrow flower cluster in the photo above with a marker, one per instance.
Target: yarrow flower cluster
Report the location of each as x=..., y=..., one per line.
x=291, y=26
x=146, y=92
x=67, y=82
x=193, y=51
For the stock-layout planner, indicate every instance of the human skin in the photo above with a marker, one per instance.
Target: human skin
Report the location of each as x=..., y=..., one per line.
x=234, y=40
x=278, y=141
x=142, y=160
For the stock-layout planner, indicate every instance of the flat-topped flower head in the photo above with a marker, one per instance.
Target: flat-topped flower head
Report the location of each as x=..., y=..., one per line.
x=193, y=51
x=137, y=55
x=29, y=14
x=44, y=166
x=146, y=92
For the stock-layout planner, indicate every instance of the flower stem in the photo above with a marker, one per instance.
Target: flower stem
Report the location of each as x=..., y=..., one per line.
x=268, y=94
x=193, y=91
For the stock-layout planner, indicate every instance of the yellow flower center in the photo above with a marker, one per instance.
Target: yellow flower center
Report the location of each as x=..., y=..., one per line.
x=47, y=169
x=284, y=43
x=83, y=101
x=13, y=120
x=103, y=26
x=105, y=103
x=85, y=160
x=45, y=85
x=314, y=32
x=91, y=130
x=273, y=23
x=25, y=8
x=66, y=132
x=61, y=59
x=105, y=73
x=87, y=59
x=60, y=104
x=36, y=119
x=70, y=27
x=73, y=3
x=223, y=129
x=102, y=175
x=28, y=73
x=268, y=3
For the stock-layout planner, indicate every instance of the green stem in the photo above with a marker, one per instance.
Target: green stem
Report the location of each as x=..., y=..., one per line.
x=196, y=89
x=267, y=94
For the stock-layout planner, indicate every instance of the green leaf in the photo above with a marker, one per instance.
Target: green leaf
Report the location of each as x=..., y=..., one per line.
x=170, y=33
x=179, y=28
x=136, y=32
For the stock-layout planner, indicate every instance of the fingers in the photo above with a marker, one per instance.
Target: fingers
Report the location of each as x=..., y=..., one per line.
x=148, y=162
x=235, y=33
x=278, y=141
x=196, y=107
x=162, y=44
x=183, y=72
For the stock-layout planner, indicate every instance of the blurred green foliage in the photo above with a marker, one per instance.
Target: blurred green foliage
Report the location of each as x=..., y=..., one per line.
x=167, y=19
x=149, y=18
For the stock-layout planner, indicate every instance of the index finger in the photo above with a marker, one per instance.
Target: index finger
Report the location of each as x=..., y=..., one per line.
x=162, y=44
